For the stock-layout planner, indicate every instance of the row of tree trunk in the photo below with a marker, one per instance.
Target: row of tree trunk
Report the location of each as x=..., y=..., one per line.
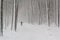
x=30, y=11
x=39, y=11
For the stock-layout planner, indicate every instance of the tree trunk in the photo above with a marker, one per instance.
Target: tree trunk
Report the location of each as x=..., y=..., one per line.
x=1, y=18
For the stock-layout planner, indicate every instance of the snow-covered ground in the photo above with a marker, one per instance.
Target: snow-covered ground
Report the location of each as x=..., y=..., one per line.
x=32, y=32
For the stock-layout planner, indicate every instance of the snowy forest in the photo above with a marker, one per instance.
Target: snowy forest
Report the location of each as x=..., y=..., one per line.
x=33, y=12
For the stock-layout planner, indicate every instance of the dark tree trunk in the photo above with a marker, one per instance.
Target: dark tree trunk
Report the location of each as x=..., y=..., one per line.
x=58, y=13
x=16, y=13
x=1, y=26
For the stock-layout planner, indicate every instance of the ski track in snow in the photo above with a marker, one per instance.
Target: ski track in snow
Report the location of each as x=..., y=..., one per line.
x=32, y=32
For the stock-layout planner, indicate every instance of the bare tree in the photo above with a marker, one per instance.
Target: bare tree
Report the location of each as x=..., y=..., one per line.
x=32, y=11
x=48, y=4
x=6, y=16
x=58, y=13
x=16, y=13
x=12, y=15
x=39, y=11
x=1, y=26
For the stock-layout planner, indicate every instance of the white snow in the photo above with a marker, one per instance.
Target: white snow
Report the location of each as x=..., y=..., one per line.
x=32, y=32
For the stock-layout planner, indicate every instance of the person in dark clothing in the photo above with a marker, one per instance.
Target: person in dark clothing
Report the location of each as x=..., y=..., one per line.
x=21, y=23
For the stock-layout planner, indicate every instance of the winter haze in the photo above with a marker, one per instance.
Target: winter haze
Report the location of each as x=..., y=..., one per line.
x=29, y=19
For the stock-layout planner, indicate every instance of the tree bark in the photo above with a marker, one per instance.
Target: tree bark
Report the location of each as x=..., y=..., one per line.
x=1, y=19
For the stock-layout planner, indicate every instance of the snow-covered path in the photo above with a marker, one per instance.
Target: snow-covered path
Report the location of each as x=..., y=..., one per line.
x=32, y=32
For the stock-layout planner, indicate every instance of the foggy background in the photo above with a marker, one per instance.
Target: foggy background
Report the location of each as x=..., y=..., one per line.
x=31, y=11
x=30, y=20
